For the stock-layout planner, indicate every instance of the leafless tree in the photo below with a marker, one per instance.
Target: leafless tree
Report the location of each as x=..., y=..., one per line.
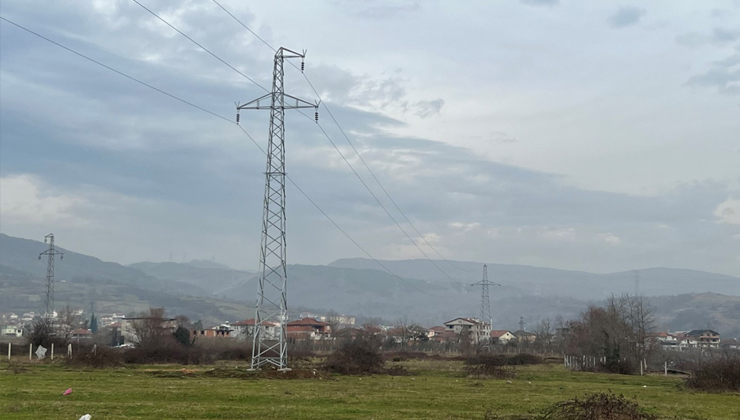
x=151, y=327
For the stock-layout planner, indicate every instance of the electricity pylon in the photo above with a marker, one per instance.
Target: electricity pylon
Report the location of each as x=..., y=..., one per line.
x=485, y=302
x=51, y=253
x=272, y=302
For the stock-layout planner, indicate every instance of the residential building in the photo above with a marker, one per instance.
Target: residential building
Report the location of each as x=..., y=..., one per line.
x=219, y=331
x=435, y=331
x=478, y=330
x=11, y=330
x=80, y=334
x=502, y=336
x=245, y=329
x=308, y=328
x=525, y=336
x=705, y=338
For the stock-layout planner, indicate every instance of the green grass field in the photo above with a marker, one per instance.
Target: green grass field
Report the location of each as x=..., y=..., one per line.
x=436, y=390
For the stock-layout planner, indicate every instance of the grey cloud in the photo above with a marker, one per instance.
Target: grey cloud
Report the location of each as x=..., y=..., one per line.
x=723, y=75
x=722, y=36
x=540, y=2
x=501, y=137
x=626, y=16
x=425, y=109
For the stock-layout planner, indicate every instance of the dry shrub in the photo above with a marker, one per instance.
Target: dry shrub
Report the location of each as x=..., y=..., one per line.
x=601, y=406
x=621, y=367
x=355, y=358
x=489, y=365
x=100, y=358
x=524, y=359
x=716, y=375
x=167, y=350
x=17, y=367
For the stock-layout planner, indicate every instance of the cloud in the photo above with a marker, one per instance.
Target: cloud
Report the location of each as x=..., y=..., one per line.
x=502, y=138
x=729, y=212
x=724, y=75
x=24, y=200
x=538, y=3
x=425, y=109
x=626, y=16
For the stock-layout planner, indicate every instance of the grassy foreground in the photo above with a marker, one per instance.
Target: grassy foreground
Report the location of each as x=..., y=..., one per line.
x=436, y=390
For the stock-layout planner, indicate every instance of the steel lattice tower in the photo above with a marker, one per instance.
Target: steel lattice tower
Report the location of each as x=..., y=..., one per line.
x=51, y=253
x=272, y=303
x=485, y=302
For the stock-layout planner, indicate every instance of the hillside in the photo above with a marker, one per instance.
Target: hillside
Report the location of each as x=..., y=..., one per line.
x=549, y=282
x=214, y=292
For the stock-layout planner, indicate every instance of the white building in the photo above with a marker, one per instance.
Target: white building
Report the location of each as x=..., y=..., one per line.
x=478, y=330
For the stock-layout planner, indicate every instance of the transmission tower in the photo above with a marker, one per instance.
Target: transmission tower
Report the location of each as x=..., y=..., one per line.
x=521, y=323
x=272, y=303
x=51, y=253
x=485, y=302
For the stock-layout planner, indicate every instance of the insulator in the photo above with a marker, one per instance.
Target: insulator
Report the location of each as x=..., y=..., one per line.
x=316, y=116
x=237, y=118
x=303, y=65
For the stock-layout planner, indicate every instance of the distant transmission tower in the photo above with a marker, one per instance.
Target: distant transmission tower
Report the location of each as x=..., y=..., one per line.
x=521, y=323
x=485, y=302
x=51, y=253
x=272, y=303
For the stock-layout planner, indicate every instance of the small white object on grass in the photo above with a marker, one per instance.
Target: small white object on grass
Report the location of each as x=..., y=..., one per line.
x=86, y=417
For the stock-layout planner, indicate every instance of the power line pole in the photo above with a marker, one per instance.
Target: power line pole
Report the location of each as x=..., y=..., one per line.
x=485, y=302
x=51, y=253
x=272, y=302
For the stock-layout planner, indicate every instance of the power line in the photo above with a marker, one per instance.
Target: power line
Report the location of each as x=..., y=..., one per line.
x=348, y=141
x=330, y=140
x=202, y=47
x=120, y=73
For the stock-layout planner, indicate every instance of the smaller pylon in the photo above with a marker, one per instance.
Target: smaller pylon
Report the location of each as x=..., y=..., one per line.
x=51, y=253
x=521, y=323
x=485, y=301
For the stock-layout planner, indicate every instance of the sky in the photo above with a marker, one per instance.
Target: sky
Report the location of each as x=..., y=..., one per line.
x=597, y=136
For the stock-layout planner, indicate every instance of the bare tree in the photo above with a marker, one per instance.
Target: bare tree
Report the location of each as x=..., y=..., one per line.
x=543, y=335
x=151, y=327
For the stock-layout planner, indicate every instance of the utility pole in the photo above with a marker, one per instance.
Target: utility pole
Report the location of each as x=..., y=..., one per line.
x=272, y=302
x=485, y=302
x=51, y=253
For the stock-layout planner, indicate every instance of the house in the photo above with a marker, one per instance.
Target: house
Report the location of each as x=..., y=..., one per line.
x=732, y=343
x=705, y=338
x=11, y=331
x=308, y=328
x=80, y=334
x=218, y=331
x=525, y=336
x=667, y=340
x=502, y=336
x=478, y=330
x=245, y=329
x=434, y=331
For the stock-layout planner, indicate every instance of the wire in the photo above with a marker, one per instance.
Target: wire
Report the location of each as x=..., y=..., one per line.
x=325, y=134
x=202, y=47
x=225, y=119
x=350, y=143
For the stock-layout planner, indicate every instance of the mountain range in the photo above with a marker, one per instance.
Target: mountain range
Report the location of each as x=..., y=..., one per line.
x=419, y=290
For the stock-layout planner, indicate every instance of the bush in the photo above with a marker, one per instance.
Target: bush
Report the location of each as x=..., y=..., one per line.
x=100, y=358
x=355, y=358
x=716, y=375
x=166, y=350
x=602, y=406
x=621, y=367
x=489, y=365
x=525, y=359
